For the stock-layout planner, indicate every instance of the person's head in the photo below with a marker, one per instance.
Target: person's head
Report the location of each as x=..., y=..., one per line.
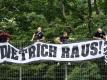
x=39, y=29
x=65, y=34
x=99, y=30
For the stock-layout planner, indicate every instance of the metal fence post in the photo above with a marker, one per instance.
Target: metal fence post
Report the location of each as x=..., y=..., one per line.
x=66, y=71
x=20, y=73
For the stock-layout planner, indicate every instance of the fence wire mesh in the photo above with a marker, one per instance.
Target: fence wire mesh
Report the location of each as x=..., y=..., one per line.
x=87, y=70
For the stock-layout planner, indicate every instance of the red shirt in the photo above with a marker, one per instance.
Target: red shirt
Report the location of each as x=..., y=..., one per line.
x=4, y=36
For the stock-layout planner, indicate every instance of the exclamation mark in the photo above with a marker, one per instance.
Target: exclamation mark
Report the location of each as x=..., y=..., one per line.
x=100, y=45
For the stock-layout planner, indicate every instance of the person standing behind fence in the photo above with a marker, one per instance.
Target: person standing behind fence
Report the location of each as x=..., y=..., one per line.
x=4, y=36
x=100, y=34
x=38, y=35
x=63, y=39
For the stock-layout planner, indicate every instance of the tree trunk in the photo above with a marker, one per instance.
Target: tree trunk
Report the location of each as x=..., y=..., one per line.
x=89, y=16
x=63, y=8
x=96, y=7
x=105, y=7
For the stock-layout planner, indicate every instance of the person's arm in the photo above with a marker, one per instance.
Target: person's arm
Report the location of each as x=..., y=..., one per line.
x=43, y=38
x=33, y=37
x=57, y=40
x=70, y=38
x=96, y=36
x=105, y=36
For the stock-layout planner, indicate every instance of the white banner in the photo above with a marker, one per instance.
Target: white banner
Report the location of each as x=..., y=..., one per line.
x=54, y=52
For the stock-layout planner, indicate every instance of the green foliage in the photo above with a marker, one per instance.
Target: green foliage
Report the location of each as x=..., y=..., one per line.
x=22, y=17
x=85, y=71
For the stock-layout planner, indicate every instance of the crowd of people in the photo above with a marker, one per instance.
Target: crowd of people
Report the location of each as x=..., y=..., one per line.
x=39, y=36
x=64, y=38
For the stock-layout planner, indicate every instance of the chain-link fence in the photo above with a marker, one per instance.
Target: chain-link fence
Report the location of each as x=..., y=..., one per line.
x=88, y=70
x=85, y=70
